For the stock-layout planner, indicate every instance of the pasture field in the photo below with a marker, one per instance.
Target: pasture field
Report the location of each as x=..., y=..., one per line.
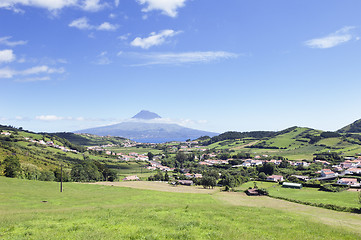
x=312, y=195
x=37, y=210
x=139, y=150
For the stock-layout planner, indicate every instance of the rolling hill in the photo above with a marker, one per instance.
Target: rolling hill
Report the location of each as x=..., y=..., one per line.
x=295, y=143
x=354, y=127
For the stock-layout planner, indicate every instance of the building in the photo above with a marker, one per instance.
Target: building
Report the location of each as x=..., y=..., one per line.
x=347, y=181
x=131, y=178
x=292, y=185
x=186, y=182
x=353, y=171
x=275, y=178
x=327, y=173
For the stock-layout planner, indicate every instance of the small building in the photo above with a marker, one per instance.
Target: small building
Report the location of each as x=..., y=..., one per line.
x=252, y=192
x=353, y=171
x=275, y=178
x=292, y=185
x=188, y=175
x=186, y=182
x=327, y=173
x=347, y=181
x=131, y=178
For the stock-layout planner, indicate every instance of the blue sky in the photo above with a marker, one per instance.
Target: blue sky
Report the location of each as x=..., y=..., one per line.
x=213, y=65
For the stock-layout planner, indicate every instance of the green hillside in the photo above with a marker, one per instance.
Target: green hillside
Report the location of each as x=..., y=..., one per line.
x=354, y=127
x=41, y=154
x=294, y=143
x=88, y=139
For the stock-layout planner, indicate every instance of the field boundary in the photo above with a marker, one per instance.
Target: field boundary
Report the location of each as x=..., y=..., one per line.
x=321, y=205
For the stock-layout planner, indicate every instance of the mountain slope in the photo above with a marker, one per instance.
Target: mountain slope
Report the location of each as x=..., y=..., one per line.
x=354, y=127
x=295, y=143
x=146, y=115
x=148, y=132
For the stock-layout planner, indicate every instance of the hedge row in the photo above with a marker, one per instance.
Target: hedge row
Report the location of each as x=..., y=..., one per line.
x=323, y=205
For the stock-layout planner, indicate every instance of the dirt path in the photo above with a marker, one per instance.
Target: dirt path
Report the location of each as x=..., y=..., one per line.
x=160, y=186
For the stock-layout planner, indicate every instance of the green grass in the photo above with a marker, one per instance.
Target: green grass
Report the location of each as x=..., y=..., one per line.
x=99, y=212
x=312, y=195
x=139, y=150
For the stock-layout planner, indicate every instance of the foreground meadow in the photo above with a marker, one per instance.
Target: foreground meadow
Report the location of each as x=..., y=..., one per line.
x=37, y=210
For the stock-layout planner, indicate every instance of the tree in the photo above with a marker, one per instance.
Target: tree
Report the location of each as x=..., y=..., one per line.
x=262, y=175
x=267, y=168
x=229, y=181
x=166, y=177
x=30, y=171
x=87, y=171
x=208, y=181
x=150, y=156
x=12, y=166
x=284, y=164
x=180, y=159
x=46, y=176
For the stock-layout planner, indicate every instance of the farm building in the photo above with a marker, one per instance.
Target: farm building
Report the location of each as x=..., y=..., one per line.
x=252, y=192
x=131, y=178
x=275, y=178
x=292, y=185
x=347, y=181
x=186, y=182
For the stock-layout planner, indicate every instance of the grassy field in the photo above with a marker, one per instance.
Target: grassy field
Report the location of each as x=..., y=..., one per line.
x=345, y=198
x=139, y=150
x=36, y=210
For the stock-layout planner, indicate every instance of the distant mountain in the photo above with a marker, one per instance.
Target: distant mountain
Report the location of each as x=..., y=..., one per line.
x=146, y=131
x=354, y=127
x=146, y=115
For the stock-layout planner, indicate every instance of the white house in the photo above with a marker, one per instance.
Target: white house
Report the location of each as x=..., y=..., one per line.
x=275, y=178
x=347, y=181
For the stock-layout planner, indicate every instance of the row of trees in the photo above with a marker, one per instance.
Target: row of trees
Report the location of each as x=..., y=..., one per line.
x=86, y=171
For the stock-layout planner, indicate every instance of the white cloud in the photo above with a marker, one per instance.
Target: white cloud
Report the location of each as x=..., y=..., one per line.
x=5, y=41
x=54, y=5
x=49, y=118
x=6, y=73
x=10, y=73
x=116, y=3
x=107, y=27
x=332, y=40
x=183, y=58
x=34, y=79
x=93, y=5
x=51, y=5
x=83, y=24
x=154, y=39
x=103, y=59
x=124, y=37
x=168, y=7
x=59, y=118
x=7, y=56
x=41, y=69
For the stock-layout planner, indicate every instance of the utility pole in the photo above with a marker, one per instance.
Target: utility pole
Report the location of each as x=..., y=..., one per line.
x=61, y=177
